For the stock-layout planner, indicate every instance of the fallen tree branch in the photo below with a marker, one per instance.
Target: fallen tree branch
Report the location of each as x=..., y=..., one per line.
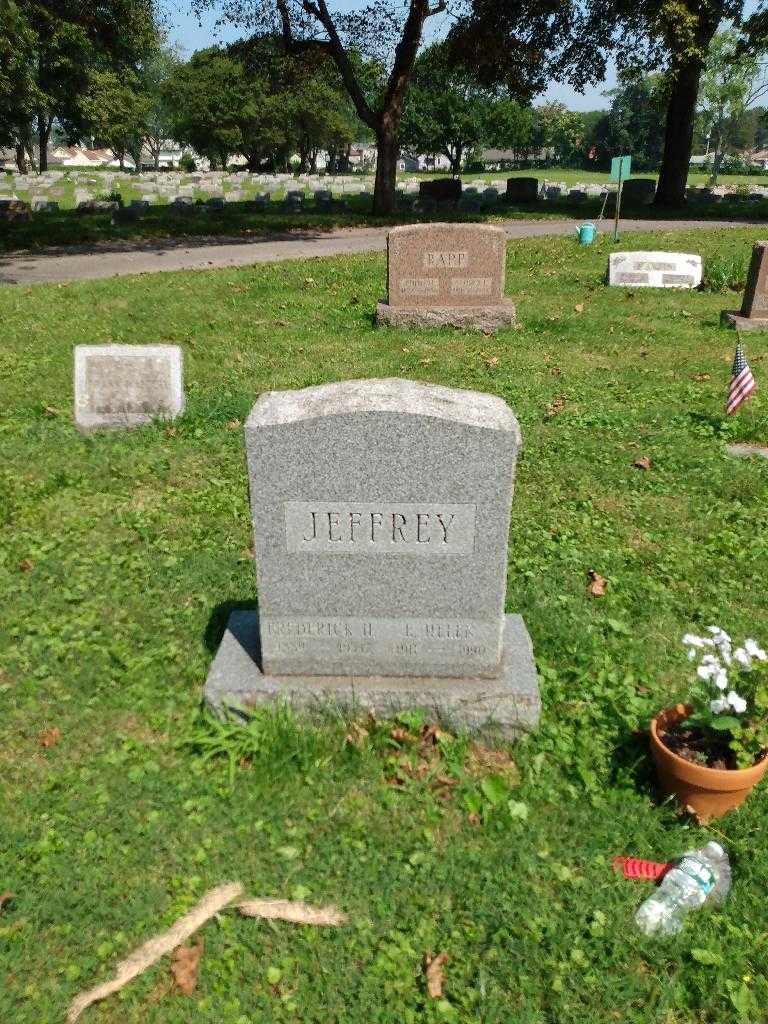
x=156, y=948
x=292, y=910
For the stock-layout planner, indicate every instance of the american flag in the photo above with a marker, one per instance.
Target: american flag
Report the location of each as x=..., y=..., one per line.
x=742, y=382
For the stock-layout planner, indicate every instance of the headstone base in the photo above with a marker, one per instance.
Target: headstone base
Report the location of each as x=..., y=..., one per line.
x=732, y=318
x=509, y=704
x=481, y=318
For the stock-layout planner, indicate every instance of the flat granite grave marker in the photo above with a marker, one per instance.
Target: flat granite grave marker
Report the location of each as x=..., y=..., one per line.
x=753, y=315
x=655, y=269
x=381, y=515
x=127, y=385
x=446, y=274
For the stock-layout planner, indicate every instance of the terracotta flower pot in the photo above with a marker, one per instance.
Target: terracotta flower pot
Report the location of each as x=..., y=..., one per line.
x=707, y=792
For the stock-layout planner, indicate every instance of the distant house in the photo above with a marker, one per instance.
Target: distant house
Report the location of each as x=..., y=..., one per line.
x=423, y=162
x=500, y=159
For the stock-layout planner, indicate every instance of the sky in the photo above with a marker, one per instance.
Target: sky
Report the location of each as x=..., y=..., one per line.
x=190, y=36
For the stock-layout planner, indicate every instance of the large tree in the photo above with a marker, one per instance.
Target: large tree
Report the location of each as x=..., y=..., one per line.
x=732, y=81
x=69, y=41
x=390, y=29
x=446, y=110
x=18, y=92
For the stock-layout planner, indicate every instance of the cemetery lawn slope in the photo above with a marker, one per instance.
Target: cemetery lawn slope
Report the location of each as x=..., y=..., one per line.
x=121, y=554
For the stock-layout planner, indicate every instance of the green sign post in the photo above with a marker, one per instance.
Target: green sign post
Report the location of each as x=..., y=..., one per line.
x=620, y=170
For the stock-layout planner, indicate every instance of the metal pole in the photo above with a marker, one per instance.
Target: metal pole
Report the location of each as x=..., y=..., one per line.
x=618, y=203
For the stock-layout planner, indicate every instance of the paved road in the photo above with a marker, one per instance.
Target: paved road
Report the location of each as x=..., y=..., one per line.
x=147, y=257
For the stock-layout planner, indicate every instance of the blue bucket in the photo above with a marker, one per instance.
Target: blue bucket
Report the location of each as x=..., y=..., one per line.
x=586, y=233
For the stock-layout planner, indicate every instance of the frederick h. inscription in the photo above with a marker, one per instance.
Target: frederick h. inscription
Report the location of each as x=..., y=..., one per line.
x=379, y=528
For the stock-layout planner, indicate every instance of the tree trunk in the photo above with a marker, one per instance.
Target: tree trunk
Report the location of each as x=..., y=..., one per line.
x=313, y=161
x=386, y=169
x=456, y=160
x=21, y=158
x=43, y=135
x=678, y=135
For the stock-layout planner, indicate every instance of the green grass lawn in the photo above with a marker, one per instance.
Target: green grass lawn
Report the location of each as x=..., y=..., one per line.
x=120, y=552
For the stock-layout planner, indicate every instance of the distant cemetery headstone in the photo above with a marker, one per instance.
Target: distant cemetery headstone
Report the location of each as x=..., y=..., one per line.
x=441, y=190
x=522, y=190
x=14, y=210
x=638, y=190
x=655, y=269
x=127, y=385
x=381, y=514
x=753, y=315
x=446, y=274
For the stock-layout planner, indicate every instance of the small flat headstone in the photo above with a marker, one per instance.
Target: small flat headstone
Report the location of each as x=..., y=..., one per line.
x=446, y=274
x=655, y=269
x=127, y=385
x=381, y=516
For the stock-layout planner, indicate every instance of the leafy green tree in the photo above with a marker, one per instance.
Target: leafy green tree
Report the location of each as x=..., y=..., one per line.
x=117, y=113
x=560, y=130
x=18, y=92
x=634, y=123
x=389, y=29
x=509, y=125
x=67, y=41
x=208, y=98
x=155, y=70
x=733, y=80
x=446, y=111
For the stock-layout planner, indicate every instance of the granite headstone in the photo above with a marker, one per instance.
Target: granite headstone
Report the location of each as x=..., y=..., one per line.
x=381, y=515
x=654, y=269
x=440, y=274
x=753, y=315
x=127, y=385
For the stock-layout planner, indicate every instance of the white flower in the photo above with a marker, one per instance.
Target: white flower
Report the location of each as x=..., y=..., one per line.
x=754, y=650
x=736, y=702
x=721, y=680
x=718, y=635
x=690, y=640
x=707, y=672
x=741, y=656
x=718, y=706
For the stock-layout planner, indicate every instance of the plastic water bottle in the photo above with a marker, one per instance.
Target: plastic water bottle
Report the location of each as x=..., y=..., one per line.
x=700, y=876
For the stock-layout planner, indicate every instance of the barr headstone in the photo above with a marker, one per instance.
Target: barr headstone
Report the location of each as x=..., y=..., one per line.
x=381, y=515
x=654, y=269
x=127, y=385
x=753, y=315
x=446, y=274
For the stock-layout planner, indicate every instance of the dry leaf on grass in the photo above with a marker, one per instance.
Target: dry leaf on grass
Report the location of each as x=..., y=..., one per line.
x=48, y=737
x=702, y=376
x=492, y=361
x=642, y=463
x=233, y=424
x=25, y=565
x=157, y=947
x=579, y=307
x=555, y=406
x=434, y=974
x=295, y=911
x=185, y=963
x=5, y=899
x=357, y=736
x=555, y=371
x=597, y=584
